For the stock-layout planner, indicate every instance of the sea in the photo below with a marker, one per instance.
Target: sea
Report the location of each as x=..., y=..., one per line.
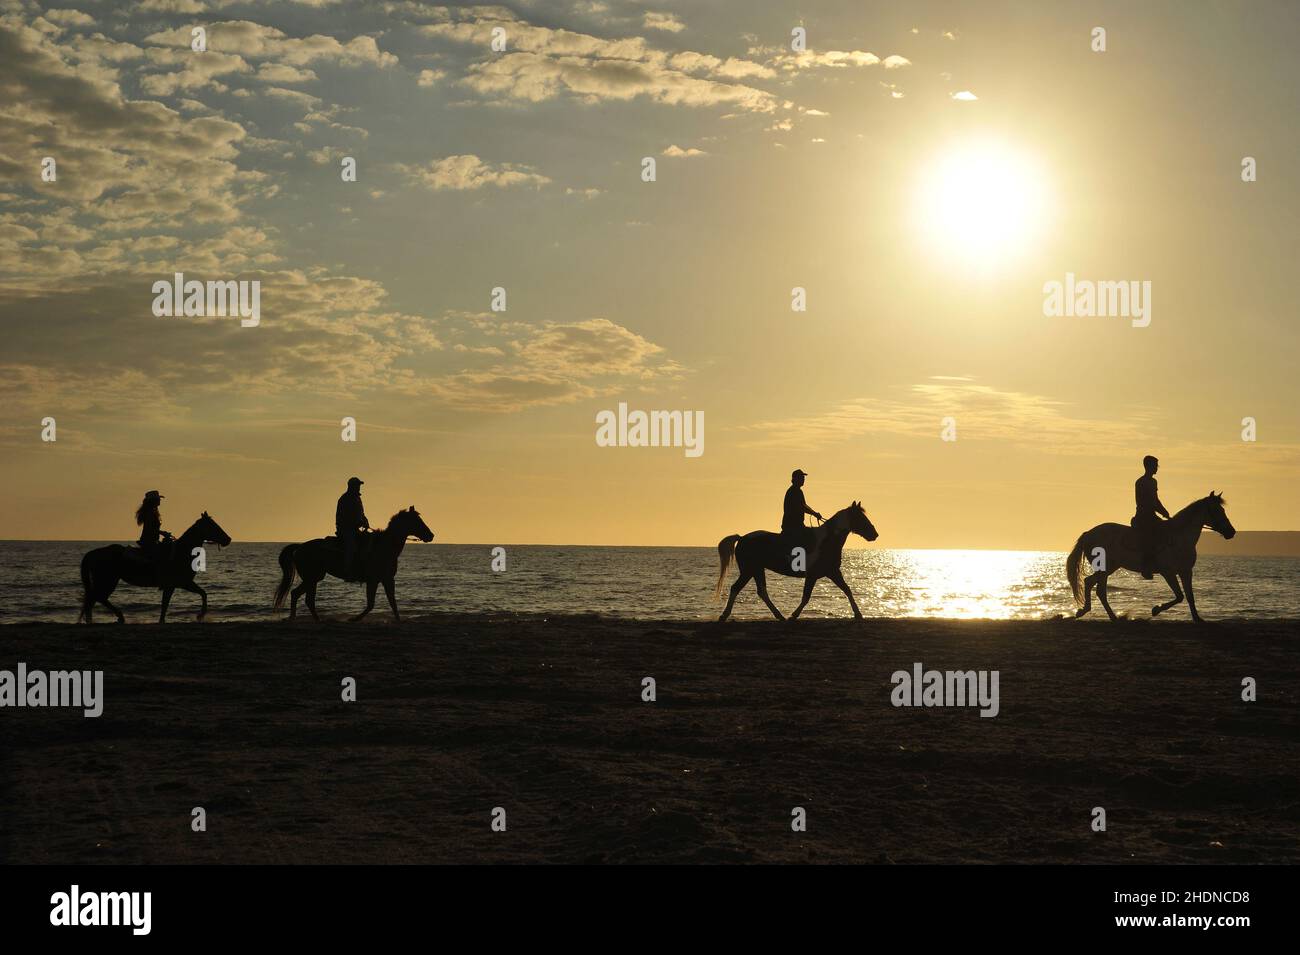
x=40, y=581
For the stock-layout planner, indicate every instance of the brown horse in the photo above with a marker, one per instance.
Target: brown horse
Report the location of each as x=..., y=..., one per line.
x=324, y=555
x=104, y=567
x=1111, y=547
x=758, y=551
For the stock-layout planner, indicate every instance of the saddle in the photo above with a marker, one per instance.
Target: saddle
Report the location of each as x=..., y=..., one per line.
x=805, y=537
x=158, y=562
x=359, y=559
x=161, y=553
x=1132, y=538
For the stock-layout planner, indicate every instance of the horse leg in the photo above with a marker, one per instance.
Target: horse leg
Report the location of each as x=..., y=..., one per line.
x=117, y=613
x=736, y=588
x=103, y=590
x=760, y=581
x=392, y=601
x=296, y=593
x=1191, y=601
x=1088, y=583
x=371, y=587
x=311, y=601
x=1178, y=594
x=809, y=582
x=837, y=579
x=166, y=599
x=194, y=588
x=1101, y=594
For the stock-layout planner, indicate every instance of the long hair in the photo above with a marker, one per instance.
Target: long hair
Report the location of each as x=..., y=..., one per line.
x=144, y=511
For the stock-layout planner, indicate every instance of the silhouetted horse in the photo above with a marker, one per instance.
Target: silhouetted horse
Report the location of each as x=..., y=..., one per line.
x=766, y=550
x=103, y=567
x=324, y=555
x=1116, y=547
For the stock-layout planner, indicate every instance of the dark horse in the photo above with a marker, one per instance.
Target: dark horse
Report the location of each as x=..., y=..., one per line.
x=324, y=555
x=1115, y=547
x=103, y=567
x=758, y=551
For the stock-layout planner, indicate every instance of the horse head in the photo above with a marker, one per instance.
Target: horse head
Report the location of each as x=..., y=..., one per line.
x=855, y=520
x=1215, y=517
x=208, y=531
x=409, y=523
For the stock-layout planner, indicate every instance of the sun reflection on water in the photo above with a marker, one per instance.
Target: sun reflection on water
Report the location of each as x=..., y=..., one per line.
x=990, y=584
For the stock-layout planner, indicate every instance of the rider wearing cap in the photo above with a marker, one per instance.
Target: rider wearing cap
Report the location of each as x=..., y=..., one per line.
x=796, y=507
x=349, y=518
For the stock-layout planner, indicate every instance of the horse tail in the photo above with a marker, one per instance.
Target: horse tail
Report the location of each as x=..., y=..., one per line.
x=726, y=550
x=86, y=602
x=287, y=571
x=1074, y=564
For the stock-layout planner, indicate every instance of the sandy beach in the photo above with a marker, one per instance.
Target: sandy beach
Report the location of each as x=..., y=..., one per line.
x=457, y=715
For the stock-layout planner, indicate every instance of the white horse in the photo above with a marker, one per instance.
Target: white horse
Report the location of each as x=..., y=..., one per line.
x=1116, y=546
x=759, y=551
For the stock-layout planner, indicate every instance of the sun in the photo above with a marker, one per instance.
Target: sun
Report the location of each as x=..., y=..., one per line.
x=981, y=204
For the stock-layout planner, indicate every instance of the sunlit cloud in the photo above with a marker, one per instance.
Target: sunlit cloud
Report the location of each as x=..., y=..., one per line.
x=468, y=172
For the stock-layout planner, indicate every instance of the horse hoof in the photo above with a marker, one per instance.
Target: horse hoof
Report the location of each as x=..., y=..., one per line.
x=1080, y=612
x=1155, y=611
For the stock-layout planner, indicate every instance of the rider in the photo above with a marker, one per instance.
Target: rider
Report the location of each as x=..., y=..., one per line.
x=151, y=533
x=349, y=517
x=792, y=525
x=1149, y=509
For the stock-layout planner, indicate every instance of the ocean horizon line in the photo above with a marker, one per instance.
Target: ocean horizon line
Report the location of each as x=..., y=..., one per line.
x=851, y=545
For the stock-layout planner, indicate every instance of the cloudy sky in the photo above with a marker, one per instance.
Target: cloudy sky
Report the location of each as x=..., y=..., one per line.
x=521, y=168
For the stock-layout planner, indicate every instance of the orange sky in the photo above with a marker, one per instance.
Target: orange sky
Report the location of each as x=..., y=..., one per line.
x=521, y=169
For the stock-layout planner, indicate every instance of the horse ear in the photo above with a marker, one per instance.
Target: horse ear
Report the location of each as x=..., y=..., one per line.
x=412, y=508
x=205, y=513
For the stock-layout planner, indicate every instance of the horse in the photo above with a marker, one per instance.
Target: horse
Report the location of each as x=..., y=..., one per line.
x=103, y=567
x=758, y=551
x=1115, y=547
x=314, y=559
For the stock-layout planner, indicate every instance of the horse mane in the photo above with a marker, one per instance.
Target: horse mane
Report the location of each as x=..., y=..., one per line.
x=395, y=517
x=1212, y=497
x=855, y=506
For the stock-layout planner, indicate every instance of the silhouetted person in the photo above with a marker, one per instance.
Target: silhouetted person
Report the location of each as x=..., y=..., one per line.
x=1149, y=511
x=151, y=533
x=792, y=525
x=349, y=518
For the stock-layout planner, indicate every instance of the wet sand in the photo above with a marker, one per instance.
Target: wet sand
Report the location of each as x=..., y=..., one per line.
x=457, y=715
